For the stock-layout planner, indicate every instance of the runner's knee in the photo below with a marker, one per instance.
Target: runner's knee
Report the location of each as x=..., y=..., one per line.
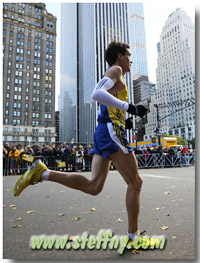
x=136, y=183
x=95, y=189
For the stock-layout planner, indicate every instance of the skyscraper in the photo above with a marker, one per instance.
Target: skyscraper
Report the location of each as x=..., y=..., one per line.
x=175, y=78
x=86, y=31
x=29, y=48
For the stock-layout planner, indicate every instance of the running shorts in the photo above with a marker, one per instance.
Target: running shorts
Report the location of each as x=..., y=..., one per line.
x=108, y=138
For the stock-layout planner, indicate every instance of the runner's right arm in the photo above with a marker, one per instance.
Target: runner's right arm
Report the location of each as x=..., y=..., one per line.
x=101, y=94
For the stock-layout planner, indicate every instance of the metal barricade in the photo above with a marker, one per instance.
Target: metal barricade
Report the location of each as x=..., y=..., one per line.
x=149, y=161
x=155, y=160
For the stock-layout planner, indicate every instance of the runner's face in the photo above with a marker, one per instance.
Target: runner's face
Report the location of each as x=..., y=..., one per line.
x=126, y=61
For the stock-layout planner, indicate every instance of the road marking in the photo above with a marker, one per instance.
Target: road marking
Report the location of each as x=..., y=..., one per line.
x=163, y=176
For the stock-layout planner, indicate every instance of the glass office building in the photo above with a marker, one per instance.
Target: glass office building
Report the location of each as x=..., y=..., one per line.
x=86, y=31
x=137, y=40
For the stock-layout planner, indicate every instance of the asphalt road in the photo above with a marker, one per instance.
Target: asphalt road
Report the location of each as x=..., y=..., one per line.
x=167, y=199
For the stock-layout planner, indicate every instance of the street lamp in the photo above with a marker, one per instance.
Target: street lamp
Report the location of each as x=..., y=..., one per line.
x=158, y=123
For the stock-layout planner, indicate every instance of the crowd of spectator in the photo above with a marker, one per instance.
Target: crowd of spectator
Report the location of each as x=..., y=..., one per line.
x=175, y=155
x=73, y=158
x=170, y=151
x=62, y=157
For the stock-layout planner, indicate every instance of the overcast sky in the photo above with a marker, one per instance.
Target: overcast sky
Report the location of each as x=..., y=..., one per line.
x=156, y=13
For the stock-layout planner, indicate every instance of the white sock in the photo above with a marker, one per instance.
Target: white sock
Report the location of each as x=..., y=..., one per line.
x=45, y=175
x=133, y=235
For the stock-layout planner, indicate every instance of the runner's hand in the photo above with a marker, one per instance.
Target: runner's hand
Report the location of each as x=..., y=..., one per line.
x=139, y=110
x=129, y=123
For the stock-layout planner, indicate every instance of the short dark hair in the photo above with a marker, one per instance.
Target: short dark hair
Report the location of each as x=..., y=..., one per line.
x=113, y=49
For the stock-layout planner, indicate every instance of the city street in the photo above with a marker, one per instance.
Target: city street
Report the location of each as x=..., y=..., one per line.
x=167, y=202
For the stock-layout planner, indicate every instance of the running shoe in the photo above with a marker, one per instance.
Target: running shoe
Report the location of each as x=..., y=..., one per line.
x=144, y=242
x=31, y=176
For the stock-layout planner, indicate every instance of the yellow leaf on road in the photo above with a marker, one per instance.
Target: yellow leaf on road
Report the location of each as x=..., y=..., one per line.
x=93, y=209
x=16, y=226
x=119, y=220
x=167, y=193
x=77, y=218
x=164, y=227
x=19, y=218
x=30, y=212
x=135, y=251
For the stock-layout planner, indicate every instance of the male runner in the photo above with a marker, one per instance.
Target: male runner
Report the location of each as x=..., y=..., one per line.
x=110, y=142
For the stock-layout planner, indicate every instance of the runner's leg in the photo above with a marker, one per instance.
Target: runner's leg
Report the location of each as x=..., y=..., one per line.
x=126, y=164
x=93, y=186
